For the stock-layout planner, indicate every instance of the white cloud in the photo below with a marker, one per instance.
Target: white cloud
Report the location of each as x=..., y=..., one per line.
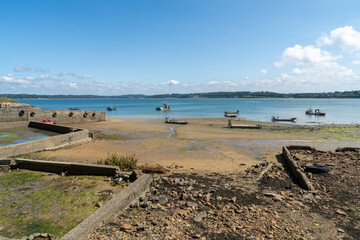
x=299, y=55
x=223, y=84
x=85, y=76
x=73, y=85
x=356, y=62
x=18, y=68
x=171, y=83
x=44, y=76
x=39, y=69
x=263, y=71
x=213, y=82
x=278, y=64
x=318, y=77
x=11, y=79
x=346, y=37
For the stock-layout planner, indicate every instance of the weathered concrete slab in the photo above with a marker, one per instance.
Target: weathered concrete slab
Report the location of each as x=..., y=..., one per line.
x=297, y=174
x=41, y=144
x=8, y=125
x=67, y=168
x=110, y=209
x=5, y=161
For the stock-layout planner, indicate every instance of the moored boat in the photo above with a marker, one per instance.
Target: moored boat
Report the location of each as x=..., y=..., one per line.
x=277, y=119
x=237, y=112
x=165, y=107
x=174, y=121
x=230, y=115
x=316, y=112
x=112, y=108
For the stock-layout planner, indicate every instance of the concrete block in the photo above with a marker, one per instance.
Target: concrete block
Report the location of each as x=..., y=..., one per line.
x=5, y=161
x=66, y=167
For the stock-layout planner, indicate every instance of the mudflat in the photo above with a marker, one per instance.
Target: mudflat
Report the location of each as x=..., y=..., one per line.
x=203, y=145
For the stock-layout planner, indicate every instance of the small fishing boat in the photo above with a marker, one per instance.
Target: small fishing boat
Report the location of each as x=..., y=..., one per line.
x=75, y=108
x=165, y=107
x=316, y=112
x=257, y=126
x=230, y=115
x=237, y=112
x=112, y=108
x=277, y=119
x=173, y=121
x=47, y=121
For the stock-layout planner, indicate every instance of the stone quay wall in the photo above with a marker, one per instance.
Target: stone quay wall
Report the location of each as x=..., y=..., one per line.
x=57, y=116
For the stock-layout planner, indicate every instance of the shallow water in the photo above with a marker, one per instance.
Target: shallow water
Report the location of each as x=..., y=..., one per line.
x=20, y=135
x=345, y=111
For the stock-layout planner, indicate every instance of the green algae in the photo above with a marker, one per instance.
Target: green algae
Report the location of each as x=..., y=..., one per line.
x=329, y=132
x=39, y=202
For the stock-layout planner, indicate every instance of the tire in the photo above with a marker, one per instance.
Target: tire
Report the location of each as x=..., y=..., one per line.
x=317, y=169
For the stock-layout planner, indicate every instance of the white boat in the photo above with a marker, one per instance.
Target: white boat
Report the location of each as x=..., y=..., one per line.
x=165, y=107
x=317, y=112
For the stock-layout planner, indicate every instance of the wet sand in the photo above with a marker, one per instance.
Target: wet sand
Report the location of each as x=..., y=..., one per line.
x=204, y=145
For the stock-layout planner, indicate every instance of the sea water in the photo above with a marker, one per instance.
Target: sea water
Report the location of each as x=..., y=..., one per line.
x=346, y=111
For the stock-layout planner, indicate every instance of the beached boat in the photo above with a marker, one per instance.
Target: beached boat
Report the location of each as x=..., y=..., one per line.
x=173, y=121
x=277, y=119
x=257, y=126
x=165, y=107
x=230, y=115
x=237, y=112
x=112, y=108
x=316, y=112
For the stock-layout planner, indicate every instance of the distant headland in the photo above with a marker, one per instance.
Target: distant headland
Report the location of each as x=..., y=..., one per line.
x=238, y=94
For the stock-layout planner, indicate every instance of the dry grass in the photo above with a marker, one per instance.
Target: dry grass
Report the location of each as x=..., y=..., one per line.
x=125, y=162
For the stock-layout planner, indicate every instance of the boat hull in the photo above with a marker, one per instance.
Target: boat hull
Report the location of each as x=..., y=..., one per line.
x=274, y=119
x=172, y=121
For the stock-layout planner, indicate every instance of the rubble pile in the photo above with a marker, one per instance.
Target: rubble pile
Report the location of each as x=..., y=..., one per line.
x=339, y=189
x=247, y=206
x=190, y=206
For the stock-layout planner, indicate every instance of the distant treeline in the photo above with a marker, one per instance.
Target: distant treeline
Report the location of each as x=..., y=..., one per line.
x=243, y=94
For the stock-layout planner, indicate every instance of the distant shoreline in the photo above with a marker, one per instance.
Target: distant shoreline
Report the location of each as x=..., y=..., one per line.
x=182, y=98
x=210, y=95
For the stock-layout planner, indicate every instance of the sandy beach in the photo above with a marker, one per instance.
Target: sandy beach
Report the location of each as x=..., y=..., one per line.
x=204, y=145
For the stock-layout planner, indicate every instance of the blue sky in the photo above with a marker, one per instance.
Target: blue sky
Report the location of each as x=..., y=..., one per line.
x=178, y=46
